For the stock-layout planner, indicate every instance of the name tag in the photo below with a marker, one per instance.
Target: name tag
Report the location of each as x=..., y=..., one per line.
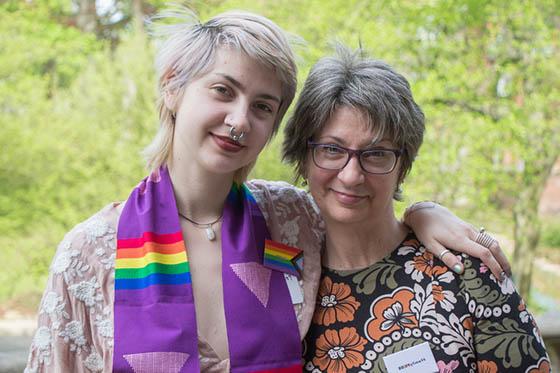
x=296, y=293
x=417, y=359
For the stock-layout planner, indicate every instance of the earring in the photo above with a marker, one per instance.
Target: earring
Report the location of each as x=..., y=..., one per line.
x=398, y=192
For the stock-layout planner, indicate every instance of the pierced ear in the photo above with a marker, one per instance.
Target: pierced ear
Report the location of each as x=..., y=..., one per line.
x=169, y=95
x=170, y=100
x=303, y=175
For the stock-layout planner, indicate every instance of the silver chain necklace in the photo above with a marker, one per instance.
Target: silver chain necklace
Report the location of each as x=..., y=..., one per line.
x=210, y=234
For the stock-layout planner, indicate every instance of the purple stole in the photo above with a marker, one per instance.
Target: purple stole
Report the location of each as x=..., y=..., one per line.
x=154, y=314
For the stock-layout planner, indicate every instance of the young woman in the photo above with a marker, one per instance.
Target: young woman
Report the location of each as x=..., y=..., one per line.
x=197, y=271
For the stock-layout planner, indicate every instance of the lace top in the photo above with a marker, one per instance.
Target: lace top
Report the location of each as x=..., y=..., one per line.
x=75, y=321
x=470, y=321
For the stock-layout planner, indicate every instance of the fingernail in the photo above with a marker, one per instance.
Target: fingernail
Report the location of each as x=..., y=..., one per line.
x=458, y=268
x=503, y=276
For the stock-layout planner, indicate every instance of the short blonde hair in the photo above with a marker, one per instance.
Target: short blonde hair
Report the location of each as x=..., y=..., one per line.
x=189, y=50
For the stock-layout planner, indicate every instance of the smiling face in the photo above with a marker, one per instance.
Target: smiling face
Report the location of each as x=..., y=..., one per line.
x=351, y=195
x=237, y=91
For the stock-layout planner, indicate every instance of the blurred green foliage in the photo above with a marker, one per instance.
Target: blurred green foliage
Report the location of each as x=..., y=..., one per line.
x=551, y=233
x=77, y=108
x=74, y=115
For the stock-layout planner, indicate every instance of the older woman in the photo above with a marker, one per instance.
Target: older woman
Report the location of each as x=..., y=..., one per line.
x=353, y=136
x=197, y=271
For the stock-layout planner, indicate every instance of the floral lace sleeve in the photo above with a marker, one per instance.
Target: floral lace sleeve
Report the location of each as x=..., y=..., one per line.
x=75, y=318
x=293, y=219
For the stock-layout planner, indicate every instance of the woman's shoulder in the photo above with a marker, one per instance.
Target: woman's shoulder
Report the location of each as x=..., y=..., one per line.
x=286, y=201
x=83, y=266
x=479, y=290
x=102, y=223
x=93, y=240
x=277, y=190
x=84, y=260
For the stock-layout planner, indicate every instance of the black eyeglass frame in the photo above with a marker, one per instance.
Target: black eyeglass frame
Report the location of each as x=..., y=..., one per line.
x=354, y=152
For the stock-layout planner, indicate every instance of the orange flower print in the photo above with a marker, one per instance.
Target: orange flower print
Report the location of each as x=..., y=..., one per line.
x=390, y=313
x=337, y=351
x=334, y=303
x=486, y=366
x=423, y=263
x=437, y=290
x=542, y=367
x=468, y=324
x=412, y=243
x=445, y=298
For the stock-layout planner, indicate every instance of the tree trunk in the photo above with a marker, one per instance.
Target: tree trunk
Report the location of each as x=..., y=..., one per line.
x=526, y=232
x=137, y=15
x=527, y=224
x=86, y=19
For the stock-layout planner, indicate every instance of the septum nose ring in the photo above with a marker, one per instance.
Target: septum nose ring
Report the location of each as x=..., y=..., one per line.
x=234, y=136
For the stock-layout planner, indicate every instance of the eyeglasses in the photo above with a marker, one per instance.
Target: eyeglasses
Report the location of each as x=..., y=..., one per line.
x=335, y=157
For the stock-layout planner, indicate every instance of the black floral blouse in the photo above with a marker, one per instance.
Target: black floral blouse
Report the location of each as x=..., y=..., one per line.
x=471, y=322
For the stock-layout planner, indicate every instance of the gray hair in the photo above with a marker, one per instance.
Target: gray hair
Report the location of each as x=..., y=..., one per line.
x=351, y=78
x=189, y=51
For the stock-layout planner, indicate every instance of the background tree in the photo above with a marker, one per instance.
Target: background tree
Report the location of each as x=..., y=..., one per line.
x=74, y=115
x=488, y=79
x=86, y=17
x=77, y=96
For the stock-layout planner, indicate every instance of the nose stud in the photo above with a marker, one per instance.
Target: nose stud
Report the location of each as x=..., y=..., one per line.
x=234, y=136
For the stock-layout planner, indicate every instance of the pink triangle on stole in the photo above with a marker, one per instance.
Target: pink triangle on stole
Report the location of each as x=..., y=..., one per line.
x=256, y=277
x=165, y=362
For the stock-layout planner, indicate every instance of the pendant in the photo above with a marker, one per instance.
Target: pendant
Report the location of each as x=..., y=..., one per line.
x=210, y=233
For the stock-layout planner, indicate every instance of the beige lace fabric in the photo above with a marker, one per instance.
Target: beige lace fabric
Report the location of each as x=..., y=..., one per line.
x=75, y=318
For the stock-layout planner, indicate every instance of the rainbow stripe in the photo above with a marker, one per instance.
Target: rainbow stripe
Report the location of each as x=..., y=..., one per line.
x=283, y=258
x=240, y=189
x=153, y=259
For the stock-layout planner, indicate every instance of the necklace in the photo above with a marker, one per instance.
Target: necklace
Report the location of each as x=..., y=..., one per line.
x=210, y=234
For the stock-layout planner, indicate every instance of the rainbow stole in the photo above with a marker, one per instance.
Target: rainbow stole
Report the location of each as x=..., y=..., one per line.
x=153, y=259
x=262, y=328
x=154, y=312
